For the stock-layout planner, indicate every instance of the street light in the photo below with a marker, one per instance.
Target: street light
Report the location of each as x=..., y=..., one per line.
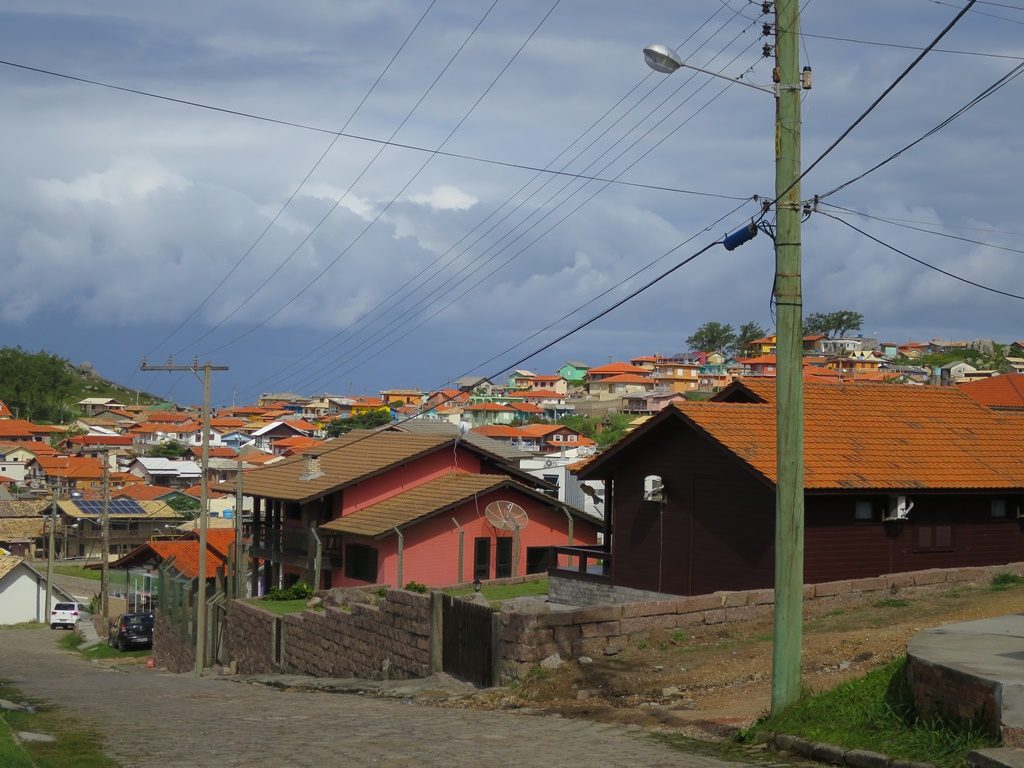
x=787, y=292
x=663, y=59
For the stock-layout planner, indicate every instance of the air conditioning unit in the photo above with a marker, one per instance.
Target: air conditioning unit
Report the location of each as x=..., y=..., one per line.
x=549, y=462
x=899, y=509
x=654, y=489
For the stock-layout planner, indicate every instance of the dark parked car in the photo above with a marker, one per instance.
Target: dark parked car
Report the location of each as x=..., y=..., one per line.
x=132, y=630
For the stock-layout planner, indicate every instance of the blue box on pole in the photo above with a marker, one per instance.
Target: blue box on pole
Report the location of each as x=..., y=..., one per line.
x=740, y=236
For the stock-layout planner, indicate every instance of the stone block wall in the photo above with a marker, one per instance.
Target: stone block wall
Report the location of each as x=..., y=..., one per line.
x=170, y=650
x=529, y=638
x=943, y=692
x=387, y=640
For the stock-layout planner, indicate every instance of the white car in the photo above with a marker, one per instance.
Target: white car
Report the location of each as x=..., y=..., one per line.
x=67, y=614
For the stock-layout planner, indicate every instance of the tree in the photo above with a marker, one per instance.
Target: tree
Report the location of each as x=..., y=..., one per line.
x=712, y=337
x=747, y=333
x=168, y=449
x=186, y=505
x=367, y=420
x=833, y=324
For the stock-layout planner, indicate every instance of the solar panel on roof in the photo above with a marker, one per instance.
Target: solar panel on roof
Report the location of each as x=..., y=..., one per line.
x=114, y=506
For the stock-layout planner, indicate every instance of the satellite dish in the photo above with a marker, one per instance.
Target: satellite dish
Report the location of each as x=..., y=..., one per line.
x=506, y=515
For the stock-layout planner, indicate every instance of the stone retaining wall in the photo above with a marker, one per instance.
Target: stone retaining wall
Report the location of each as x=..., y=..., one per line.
x=943, y=692
x=170, y=650
x=386, y=640
x=529, y=638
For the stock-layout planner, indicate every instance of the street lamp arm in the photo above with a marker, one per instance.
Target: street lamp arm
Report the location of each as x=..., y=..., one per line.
x=766, y=88
x=663, y=59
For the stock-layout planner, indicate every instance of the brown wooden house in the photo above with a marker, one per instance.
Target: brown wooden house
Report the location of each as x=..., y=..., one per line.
x=897, y=478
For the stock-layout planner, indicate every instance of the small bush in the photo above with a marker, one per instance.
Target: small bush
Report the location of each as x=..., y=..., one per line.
x=415, y=586
x=300, y=590
x=892, y=602
x=1005, y=580
x=382, y=592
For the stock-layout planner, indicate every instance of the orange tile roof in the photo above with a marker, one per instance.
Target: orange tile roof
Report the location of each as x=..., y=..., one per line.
x=196, y=491
x=616, y=368
x=526, y=408
x=141, y=492
x=186, y=556
x=884, y=436
x=5, y=412
x=19, y=428
x=101, y=440
x=625, y=378
x=73, y=467
x=539, y=430
x=759, y=360
x=1006, y=391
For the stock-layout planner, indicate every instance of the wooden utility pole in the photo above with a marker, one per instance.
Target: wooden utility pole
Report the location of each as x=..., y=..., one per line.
x=49, y=550
x=789, y=408
x=204, y=499
x=239, y=551
x=105, y=546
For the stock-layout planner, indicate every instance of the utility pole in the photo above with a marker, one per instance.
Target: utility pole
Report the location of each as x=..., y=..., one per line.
x=239, y=553
x=204, y=500
x=789, y=398
x=105, y=548
x=49, y=550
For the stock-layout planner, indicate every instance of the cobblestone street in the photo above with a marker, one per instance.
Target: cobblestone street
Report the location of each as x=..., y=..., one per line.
x=152, y=719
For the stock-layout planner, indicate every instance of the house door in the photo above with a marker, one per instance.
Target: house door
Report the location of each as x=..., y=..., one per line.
x=503, y=559
x=482, y=559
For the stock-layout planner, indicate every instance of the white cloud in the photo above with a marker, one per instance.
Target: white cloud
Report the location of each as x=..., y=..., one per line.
x=126, y=180
x=445, y=198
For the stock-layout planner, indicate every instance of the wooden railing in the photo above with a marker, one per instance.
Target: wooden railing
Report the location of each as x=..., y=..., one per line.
x=587, y=563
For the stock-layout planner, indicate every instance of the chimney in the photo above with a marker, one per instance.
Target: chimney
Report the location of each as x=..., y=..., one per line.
x=311, y=469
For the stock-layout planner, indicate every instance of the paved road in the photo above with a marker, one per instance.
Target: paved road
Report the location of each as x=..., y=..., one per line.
x=159, y=720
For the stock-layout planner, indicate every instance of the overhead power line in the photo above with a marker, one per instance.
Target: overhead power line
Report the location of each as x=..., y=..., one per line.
x=1007, y=78
x=892, y=219
x=346, y=134
x=906, y=71
x=408, y=316
x=301, y=184
x=925, y=230
x=922, y=262
x=449, y=286
x=401, y=191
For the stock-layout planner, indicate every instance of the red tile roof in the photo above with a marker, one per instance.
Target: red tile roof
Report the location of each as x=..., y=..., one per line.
x=101, y=440
x=186, y=556
x=496, y=430
x=614, y=368
x=626, y=378
x=141, y=492
x=883, y=436
x=1006, y=391
x=73, y=467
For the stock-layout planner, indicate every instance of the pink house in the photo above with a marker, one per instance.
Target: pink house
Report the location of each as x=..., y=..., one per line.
x=392, y=507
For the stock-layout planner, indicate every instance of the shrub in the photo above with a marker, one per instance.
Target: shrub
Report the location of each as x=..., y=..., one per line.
x=1005, y=580
x=415, y=586
x=300, y=590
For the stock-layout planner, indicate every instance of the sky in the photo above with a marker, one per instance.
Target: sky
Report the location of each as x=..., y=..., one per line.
x=143, y=228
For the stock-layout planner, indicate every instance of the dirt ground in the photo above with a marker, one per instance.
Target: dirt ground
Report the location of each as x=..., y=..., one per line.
x=710, y=682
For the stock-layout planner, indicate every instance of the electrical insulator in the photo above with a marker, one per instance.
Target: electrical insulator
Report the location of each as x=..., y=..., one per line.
x=776, y=75
x=805, y=79
x=766, y=50
x=766, y=7
x=766, y=30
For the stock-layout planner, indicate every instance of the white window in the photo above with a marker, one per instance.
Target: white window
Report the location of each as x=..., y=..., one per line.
x=558, y=438
x=570, y=438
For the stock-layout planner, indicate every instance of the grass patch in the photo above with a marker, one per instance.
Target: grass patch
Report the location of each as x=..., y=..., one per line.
x=75, y=747
x=282, y=607
x=892, y=602
x=876, y=712
x=78, y=571
x=72, y=642
x=1005, y=580
x=499, y=592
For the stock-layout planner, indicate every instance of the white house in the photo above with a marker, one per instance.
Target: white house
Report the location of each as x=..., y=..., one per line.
x=23, y=592
x=166, y=472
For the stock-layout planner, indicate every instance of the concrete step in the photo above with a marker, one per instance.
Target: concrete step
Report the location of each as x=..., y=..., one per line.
x=996, y=757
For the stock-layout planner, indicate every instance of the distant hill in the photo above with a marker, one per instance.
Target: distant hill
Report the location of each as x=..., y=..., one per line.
x=45, y=388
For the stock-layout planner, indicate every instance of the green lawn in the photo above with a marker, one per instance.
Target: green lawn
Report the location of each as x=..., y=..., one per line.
x=498, y=592
x=75, y=747
x=876, y=712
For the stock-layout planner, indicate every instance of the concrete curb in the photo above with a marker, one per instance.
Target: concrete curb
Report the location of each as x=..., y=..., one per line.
x=87, y=631
x=832, y=754
x=440, y=686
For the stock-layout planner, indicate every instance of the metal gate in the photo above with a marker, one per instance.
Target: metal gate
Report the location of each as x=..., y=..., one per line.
x=466, y=635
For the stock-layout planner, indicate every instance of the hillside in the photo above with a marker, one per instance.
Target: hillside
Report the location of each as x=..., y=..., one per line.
x=44, y=388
